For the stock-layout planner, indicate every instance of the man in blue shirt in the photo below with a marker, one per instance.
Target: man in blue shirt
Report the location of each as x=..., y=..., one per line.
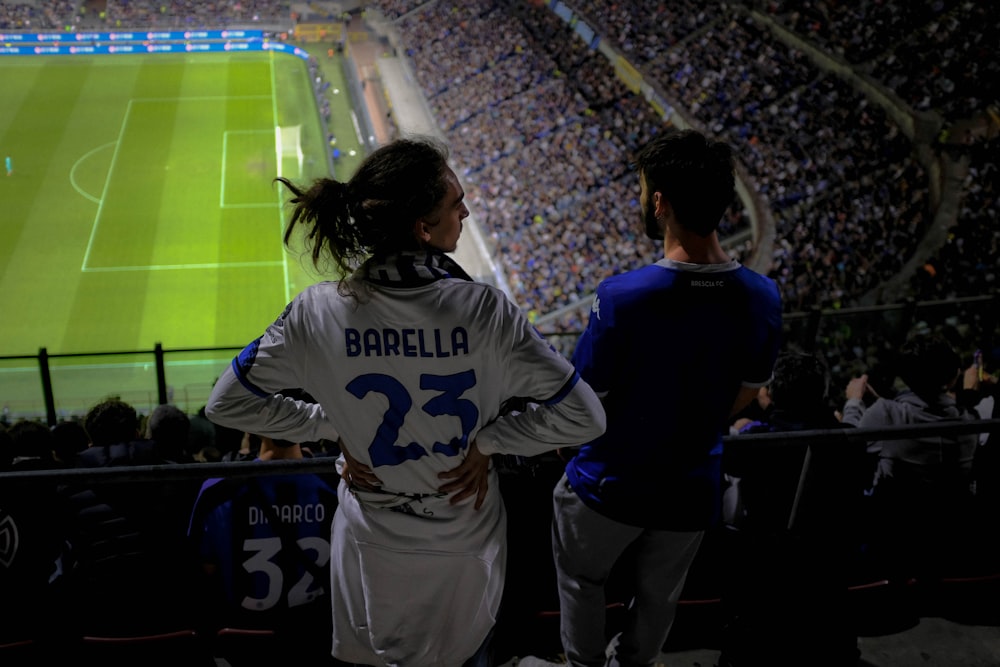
x=674, y=349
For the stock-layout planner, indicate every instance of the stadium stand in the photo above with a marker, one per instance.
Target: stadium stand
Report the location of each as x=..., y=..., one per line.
x=735, y=79
x=860, y=186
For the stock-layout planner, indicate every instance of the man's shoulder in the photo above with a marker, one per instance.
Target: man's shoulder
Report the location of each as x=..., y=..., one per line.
x=637, y=280
x=750, y=276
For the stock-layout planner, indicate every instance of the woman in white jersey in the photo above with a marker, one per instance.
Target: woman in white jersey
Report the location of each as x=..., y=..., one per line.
x=413, y=367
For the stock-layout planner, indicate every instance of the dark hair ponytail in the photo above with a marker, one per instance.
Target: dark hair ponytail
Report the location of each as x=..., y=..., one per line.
x=325, y=211
x=375, y=211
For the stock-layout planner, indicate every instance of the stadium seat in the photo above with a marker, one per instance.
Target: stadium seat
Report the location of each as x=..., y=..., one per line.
x=185, y=647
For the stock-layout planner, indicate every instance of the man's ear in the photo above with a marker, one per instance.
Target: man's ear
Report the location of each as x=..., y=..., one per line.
x=661, y=206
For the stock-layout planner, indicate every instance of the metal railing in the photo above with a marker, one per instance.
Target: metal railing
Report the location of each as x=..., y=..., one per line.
x=52, y=386
x=172, y=472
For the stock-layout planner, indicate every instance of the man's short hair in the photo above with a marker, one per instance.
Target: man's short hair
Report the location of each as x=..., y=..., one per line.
x=168, y=423
x=110, y=422
x=800, y=381
x=694, y=173
x=928, y=365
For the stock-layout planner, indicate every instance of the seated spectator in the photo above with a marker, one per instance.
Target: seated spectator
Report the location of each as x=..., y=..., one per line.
x=31, y=537
x=263, y=543
x=31, y=443
x=6, y=449
x=796, y=399
x=921, y=491
x=248, y=450
x=69, y=440
x=202, y=438
x=229, y=444
x=789, y=555
x=981, y=391
x=127, y=566
x=169, y=428
x=113, y=427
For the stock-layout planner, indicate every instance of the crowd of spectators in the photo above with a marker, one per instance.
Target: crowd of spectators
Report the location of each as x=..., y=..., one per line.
x=967, y=263
x=194, y=13
x=137, y=559
x=850, y=200
x=859, y=31
x=167, y=434
x=545, y=132
x=116, y=14
x=37, y=14
x=936, y=55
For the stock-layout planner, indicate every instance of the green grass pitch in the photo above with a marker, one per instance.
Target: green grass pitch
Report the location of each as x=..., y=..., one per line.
x=142, y=207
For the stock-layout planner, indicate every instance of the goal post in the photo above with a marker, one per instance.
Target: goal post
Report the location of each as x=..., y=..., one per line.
x=288, y=142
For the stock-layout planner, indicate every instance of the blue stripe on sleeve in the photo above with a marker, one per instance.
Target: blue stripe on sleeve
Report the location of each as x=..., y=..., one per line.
x=242, y=364
x=566, y=388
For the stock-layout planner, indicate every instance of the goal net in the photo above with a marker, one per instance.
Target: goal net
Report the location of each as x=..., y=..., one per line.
x=288, y=141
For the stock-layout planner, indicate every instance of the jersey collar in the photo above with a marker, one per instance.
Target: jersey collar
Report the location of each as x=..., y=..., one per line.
x=412, y=269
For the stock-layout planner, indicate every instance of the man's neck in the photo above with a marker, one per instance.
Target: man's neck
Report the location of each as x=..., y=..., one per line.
x=694, y=249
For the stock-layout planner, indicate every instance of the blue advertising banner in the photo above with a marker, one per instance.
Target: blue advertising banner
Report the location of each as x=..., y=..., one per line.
x=146, y=42
x=132, y=36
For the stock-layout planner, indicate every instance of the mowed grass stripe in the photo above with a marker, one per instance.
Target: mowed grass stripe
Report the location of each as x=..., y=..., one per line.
x=16, y=112
x=250, y=162
x=126, y=222
x=37, y=105
x=58, y=121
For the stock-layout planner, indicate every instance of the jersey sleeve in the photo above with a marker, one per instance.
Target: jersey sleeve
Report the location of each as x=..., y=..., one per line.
x=561, y=410
x=246, y=395
x=594, y=349
x=768, y=335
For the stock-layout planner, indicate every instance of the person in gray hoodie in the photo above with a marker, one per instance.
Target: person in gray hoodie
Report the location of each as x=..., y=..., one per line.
x=921, y=496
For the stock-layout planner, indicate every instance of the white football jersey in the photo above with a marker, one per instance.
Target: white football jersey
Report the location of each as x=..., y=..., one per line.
x=407, y=374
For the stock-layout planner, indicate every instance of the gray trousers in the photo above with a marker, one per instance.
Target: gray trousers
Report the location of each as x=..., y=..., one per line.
x=585, y=546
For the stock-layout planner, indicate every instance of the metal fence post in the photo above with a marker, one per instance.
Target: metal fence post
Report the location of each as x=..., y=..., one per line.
x=50, y=400
x=161, y=375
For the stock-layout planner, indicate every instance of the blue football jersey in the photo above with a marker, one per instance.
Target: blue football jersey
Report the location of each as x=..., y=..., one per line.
x=268, y=538
x=668, y=348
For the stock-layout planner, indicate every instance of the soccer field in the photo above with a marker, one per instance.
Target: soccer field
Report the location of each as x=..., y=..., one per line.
x=142, y=207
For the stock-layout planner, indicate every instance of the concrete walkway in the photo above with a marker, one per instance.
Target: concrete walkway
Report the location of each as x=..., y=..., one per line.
x=401, y=99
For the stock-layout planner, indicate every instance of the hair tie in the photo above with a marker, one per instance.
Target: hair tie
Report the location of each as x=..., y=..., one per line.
x=331, y=194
